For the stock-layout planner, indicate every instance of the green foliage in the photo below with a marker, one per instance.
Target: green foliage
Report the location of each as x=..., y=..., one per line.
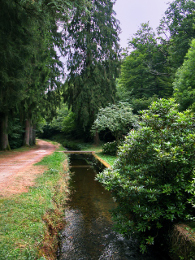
x=16, y=133
x=152, y=178
x=110, y=148
x=47, y=132
x=119, y=119
x=178, y=22
x=184, y=84
x=30, y=69
x=64, y=120
x=135, y=76
x=71, y=145
x=150, y=67
x=144, y=72
x=139, y=104
x=110, y=159
x=93, y=60
x=64, y=123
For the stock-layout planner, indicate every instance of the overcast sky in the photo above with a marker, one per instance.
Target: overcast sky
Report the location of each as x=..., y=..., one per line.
x=131, y=13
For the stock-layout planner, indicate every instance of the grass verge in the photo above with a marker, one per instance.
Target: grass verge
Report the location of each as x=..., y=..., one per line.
x=110, y=159
x=30, y=222
x=73, y=144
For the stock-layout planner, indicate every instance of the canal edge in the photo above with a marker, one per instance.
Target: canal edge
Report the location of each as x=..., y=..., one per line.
x=101, y=160
x=90, y=152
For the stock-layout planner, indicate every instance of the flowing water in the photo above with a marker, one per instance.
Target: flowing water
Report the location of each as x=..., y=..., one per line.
x=88, y=234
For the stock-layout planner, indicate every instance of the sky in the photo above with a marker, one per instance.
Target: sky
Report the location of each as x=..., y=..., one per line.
x=131, y=13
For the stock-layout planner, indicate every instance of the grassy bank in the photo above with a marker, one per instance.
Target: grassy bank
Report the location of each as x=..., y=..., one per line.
x=29, y=223
x=77, y=145
x=110, y=159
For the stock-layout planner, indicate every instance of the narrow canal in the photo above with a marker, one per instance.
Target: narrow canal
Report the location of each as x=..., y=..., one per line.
x=88, y=234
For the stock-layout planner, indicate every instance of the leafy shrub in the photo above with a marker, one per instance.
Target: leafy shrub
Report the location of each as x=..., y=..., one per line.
x=118, y=118
x=71, y=145
x=47, y=132
x=65, y=121
x=153, y=177
x=139, y=104
x=110, y=148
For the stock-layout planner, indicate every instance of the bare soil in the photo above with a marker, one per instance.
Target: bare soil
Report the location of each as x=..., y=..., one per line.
x=17, y=169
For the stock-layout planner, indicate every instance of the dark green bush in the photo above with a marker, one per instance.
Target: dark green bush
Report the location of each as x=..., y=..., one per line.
x=110, y=148
x=70, y=145
x=47, y=132
x=117, y=118
x=154, y=175
x=16, y=133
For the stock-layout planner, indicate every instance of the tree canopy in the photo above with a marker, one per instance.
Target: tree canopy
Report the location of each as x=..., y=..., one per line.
x=149, y=70
x=178, y=26
x=93, y=52
x=184, y=84
x=144, y=72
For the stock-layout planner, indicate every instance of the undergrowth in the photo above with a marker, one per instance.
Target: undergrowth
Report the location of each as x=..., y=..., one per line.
x=29, y=223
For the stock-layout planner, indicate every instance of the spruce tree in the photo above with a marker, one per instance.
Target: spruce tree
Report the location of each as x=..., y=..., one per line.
x=13, y=42
x=93, y=60
x=29, y=65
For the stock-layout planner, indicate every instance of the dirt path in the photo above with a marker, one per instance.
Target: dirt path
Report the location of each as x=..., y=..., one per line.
x=17, y=169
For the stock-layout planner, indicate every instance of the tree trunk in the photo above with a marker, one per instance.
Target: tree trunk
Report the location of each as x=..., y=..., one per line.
x=4, y=142
x=34, y=135
x=27, y=133
x=96, y=138
x=29, y=136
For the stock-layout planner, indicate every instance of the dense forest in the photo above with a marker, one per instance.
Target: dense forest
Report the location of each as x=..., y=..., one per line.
x=61, y=62
x=62, y=71
x=53, y=51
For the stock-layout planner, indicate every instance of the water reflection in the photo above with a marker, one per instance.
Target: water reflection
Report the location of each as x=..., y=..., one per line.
x=88, y=234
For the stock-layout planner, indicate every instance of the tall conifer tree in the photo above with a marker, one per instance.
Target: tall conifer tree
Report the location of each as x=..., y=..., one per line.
x=29, y=64
x=93, y=60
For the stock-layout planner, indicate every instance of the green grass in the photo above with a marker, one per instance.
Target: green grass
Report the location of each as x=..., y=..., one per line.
x=21, y=149
x=22, y=228
x=91, y=147
x=110, y=159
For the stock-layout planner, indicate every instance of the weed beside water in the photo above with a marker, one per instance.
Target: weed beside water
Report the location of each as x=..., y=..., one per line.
x=29, y=223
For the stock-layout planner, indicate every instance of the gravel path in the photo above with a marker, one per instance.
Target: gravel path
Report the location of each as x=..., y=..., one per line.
x=17, y=169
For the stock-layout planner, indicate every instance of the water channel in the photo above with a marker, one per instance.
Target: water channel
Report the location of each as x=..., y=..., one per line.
x=88, y=234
